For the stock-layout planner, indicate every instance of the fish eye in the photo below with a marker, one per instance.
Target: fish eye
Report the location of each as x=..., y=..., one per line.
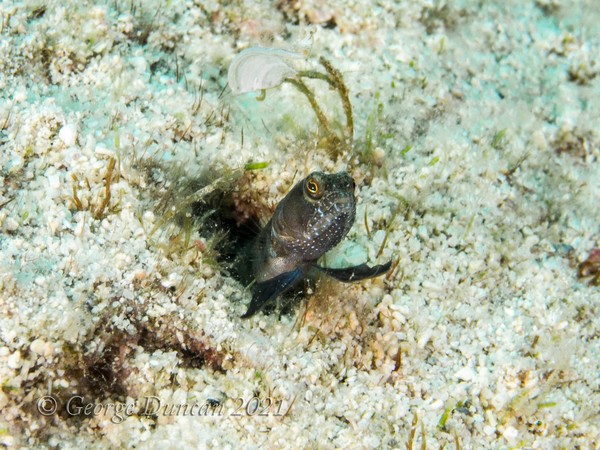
x=313, y=188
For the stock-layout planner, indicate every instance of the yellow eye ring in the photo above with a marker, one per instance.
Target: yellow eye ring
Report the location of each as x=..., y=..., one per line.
x=313, y=188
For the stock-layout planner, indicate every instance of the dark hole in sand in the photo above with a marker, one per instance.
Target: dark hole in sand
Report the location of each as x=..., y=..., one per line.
x=217, y=216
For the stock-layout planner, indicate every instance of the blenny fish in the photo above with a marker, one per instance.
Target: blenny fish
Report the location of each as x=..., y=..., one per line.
x=310, y=220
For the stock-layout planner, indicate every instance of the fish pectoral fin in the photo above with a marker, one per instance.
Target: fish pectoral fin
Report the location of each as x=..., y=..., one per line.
x=266, y=291
x=356, y=273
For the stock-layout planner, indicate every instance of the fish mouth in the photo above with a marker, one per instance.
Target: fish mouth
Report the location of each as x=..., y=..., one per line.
x=345, y=201
x=340, y=202
x=339, y=209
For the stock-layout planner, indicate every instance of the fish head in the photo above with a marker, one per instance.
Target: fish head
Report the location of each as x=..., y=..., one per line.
x=314, y=216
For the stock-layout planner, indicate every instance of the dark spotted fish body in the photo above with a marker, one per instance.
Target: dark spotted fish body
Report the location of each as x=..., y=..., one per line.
x=311, y=219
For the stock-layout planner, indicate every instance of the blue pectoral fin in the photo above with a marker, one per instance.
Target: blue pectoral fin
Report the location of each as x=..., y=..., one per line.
x=268, y=290
x=356, y=273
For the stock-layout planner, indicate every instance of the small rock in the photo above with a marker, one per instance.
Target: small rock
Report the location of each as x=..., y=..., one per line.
x=68, y=134
x=510, y=433
x=14, y=360
x=42, y=348
x=465, y=374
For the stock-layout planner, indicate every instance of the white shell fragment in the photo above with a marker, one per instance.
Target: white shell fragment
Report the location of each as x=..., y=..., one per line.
x=68, y=134
x=258, y=68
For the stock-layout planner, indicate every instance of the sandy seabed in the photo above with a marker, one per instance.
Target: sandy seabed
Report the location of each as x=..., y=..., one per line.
x=476, y=154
